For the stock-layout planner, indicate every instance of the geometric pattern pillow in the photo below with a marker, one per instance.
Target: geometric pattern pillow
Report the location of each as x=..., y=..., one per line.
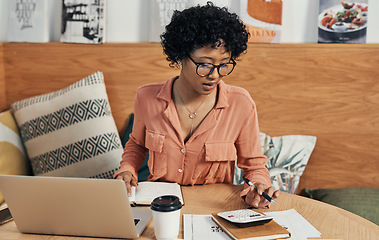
x=287, y=157
x=70, y=132
x=12, y=155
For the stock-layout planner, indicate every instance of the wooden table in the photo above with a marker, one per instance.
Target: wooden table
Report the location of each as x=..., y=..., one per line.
x=332, y=222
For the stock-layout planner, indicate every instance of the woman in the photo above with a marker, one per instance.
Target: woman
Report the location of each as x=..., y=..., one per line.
x=194, y=125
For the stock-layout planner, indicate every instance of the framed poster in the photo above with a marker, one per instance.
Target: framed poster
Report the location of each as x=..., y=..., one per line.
x=83, y=21
x=263, y=19
x=28, y=21
x=161, y=12
x=342, y=21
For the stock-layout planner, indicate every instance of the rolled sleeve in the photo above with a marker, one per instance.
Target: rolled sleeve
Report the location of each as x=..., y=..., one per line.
x=250, y=156
x=135, y=150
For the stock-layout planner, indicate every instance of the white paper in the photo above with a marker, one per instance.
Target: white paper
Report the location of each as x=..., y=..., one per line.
x=296, y=224
x=202, y=227
x=145, y=192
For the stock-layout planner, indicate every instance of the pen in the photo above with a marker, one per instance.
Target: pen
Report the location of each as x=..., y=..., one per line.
x=263, y=193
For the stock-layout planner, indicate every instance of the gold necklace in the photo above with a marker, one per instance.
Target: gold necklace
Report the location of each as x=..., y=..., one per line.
x=192, y=115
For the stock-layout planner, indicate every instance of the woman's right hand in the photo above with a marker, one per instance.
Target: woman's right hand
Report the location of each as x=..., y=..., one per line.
x=129, y=180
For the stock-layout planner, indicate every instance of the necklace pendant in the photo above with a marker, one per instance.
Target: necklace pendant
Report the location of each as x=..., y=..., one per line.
x=192, y=115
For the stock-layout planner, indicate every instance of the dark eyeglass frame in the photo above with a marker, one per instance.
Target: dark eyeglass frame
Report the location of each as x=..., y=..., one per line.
x=213, y=67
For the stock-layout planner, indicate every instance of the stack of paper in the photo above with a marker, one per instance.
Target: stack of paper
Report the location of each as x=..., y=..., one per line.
x=201, y=227
x=296, y=224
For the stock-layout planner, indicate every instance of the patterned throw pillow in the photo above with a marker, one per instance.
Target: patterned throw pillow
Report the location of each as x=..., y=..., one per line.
x=12, y=155
x=70, y=132
x=287, y=158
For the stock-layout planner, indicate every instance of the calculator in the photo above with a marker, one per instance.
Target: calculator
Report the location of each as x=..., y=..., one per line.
x=245, y=217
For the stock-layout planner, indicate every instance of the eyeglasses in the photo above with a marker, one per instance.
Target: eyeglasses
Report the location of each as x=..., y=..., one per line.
x=206, y=69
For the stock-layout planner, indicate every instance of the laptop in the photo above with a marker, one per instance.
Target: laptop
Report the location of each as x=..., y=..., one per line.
x=72, y=206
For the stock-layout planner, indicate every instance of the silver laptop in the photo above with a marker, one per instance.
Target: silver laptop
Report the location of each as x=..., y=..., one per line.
x=72, y=206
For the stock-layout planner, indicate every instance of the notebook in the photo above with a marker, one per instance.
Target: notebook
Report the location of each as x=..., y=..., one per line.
x=270, y=230
x=146, y=192
x=72, y=206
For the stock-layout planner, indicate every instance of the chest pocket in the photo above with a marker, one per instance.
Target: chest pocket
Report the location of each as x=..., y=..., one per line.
x=157, y=163
x=220, y=151
x=217, y=167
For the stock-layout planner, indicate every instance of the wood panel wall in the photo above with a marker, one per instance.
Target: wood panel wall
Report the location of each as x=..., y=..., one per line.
x=33, y=69
x=327, y=90
x=2, y=79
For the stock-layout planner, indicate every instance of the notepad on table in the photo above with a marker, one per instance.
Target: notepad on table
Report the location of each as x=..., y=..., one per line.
x=270, y=230
x=146, y=192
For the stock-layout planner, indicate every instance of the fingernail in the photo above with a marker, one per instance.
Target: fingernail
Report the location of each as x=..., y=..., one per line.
x=256, y=205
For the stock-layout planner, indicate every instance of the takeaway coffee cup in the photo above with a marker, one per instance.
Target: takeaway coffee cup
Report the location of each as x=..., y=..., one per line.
x=166, y=217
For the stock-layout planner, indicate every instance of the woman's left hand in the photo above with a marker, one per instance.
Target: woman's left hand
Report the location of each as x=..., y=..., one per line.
x=254, y=196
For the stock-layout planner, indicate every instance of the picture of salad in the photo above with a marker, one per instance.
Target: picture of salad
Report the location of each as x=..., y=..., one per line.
x=344, y=18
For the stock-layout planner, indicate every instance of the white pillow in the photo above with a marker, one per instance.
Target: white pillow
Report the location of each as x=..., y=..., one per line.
x=70, y=132
x=287, y=158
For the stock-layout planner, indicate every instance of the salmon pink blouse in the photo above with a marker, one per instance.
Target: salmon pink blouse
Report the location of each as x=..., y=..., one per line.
x=227, y=134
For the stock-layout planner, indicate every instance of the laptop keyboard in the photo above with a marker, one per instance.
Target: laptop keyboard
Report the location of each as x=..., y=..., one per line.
x=136, y=221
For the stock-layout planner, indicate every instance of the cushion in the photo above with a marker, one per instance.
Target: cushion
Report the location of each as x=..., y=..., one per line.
x=12, y=155
x=287, y=158
x=70, y=132
x=361, y=201
x=144, y=171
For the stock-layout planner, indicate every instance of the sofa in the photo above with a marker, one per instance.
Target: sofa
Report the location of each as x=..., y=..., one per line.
x=328, y=92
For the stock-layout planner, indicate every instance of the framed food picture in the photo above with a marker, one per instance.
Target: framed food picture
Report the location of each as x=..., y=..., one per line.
x=342, y=21
x=263, y=19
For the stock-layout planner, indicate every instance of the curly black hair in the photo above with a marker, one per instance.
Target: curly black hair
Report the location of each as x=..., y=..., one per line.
x=200, y=26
